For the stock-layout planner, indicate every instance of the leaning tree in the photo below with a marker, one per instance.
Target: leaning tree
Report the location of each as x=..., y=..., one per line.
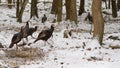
x=20, y=14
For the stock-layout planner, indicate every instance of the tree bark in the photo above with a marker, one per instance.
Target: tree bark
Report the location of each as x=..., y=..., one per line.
x=34, y=9
x=109, y=3
x=17, y=8
x=22, y=10
x=118, y=5
x=59, y=13
x=73, y=11
x=21, y=1
x=9, y=2
x=81, y=9
x=98, y=20
x=67, y=9
x=114, y=9
x=54, y=7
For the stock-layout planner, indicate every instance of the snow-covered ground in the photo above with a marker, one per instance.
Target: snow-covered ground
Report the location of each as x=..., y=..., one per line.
x=78, y=51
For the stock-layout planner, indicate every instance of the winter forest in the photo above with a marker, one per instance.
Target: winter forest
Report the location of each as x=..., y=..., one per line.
x=59, y=33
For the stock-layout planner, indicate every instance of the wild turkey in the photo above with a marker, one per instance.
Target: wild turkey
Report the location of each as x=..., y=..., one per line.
x=44, y=18
x=16, y=38
x=89, y=17
x=45, y=34
x=80, y=12
x=70, y=32
x=25, y=30
x=31, y=31
x=113, y=37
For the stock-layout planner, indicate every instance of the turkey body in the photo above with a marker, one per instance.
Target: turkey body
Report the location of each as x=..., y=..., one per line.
x=25, y=30
x=16, y=39
x=44, y=18
x=45, y=34
x=31, y=31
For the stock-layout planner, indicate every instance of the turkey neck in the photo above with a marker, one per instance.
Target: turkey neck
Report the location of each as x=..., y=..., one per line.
x=21, y=33
x=52, y=28
x=35, y=28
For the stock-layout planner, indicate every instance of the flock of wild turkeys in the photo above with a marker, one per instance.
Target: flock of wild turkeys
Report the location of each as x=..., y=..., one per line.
x=26, y=31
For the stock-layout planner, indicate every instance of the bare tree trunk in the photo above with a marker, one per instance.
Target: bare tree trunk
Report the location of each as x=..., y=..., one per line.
x=17, y=8
x=9, y=2
x=34, y=9
x=114, y=9
x=0, y=1
x=81, y=9
x=21, y=1
x=118, y=5
x=22, y=10
x=67, y=9
x=98, y=20
x=73, y=11
x=109, y=3
x=59, y=13
x=54, y=7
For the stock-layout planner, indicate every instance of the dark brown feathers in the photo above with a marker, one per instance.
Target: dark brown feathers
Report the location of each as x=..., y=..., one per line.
x=25, y=30
x=44, y=18
x=16, y=38
x=45, y=34
x=31, y=30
